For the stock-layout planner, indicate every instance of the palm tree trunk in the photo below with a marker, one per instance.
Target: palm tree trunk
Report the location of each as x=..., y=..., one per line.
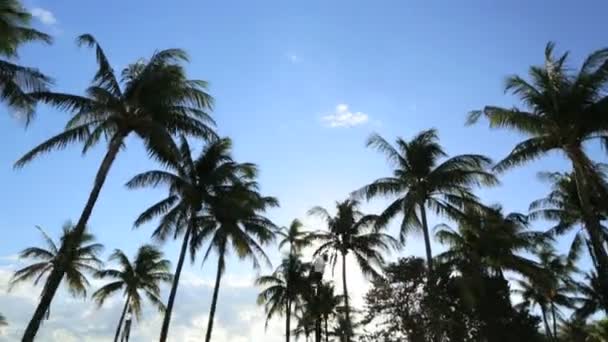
x=554, y=320
x=427, y=241
x=218, y=278
x=326, y=330
x=582, y=174
x=178, y=271
x=430, y=273
x=57, y=272
x=122, y=317
x=287, y=320
x=44, y=306
x=345, y=289
x=547, y=329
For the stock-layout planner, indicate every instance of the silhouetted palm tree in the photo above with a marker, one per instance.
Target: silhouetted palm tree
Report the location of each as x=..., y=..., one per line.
x=590, y=299
x=143, y=276
x=563, y=206
x=74, y=255
x=489, y=242
x=191, y=182
x=329, y=306
x=294, y=236
x=153, y=99
x=233, y=217
x=422, y=180
x=17, y=81
x=283, y=289
x=350, y=231
x=551, y=289
x=315, y=307
x=563, y=109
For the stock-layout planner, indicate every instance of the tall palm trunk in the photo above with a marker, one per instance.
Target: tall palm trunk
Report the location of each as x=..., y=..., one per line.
x=216, y=290
x=582, y=174
x=345, y=289
x=122, y=317
x=543, y=310
x=554, y=320
x=56, y=275
x=178, y=271
x=287, y=320
x=427, y=242
x=326, y=330
x=430, y=273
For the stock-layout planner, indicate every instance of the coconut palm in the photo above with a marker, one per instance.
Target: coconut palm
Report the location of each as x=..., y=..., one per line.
x=491, y=242
x=350, y=231
x=153, y=99
x=191, y=183
x=74, y=255
x=550, y=289
x=17, y=81
x=294, y=236
x=591, y=299
x=329, y=305
x=563, y=205
x=233, y=217
x=283, y=289
x=422, y=180
x=142, y=276
x=318, y=307
x=563, y=110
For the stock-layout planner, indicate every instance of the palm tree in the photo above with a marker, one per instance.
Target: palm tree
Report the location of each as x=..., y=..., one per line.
x=490, y=242
x=283, y=289
x=74, y=255
x=563, y=205
x=421, y=181
x=350, y=231
x=17, y=81
x=156, y=101
x=294, y=236
x=563, y=111
x=191, y=183
x=552, y=288
x=318, y=306
x=233, y=217
x=591, y=298
x=329, y=305
x=144, y=275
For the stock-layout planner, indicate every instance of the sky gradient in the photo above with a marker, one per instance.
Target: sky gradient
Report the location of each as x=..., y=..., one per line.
x=299, y=86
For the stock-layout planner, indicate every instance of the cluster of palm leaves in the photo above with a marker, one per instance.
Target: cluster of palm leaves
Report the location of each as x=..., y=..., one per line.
x=214, y=204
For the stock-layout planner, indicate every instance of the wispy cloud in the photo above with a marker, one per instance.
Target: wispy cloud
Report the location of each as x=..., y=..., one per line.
x=293, y=58
x=344, y=117
x=44, y=16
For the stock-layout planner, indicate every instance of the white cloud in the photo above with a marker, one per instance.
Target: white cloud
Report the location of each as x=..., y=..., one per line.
x=45, y=16
x=344, y=117
x=293, y=58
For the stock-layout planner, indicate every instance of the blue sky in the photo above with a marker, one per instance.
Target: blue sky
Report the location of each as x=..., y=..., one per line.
x=280, y=71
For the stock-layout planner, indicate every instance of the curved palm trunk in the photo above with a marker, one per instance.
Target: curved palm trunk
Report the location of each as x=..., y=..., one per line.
x=546, y=322
x=57, y=273
x=178, y=271
x=122, y=317
x=581, y=163
x=345, y=289
x=216, y=290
